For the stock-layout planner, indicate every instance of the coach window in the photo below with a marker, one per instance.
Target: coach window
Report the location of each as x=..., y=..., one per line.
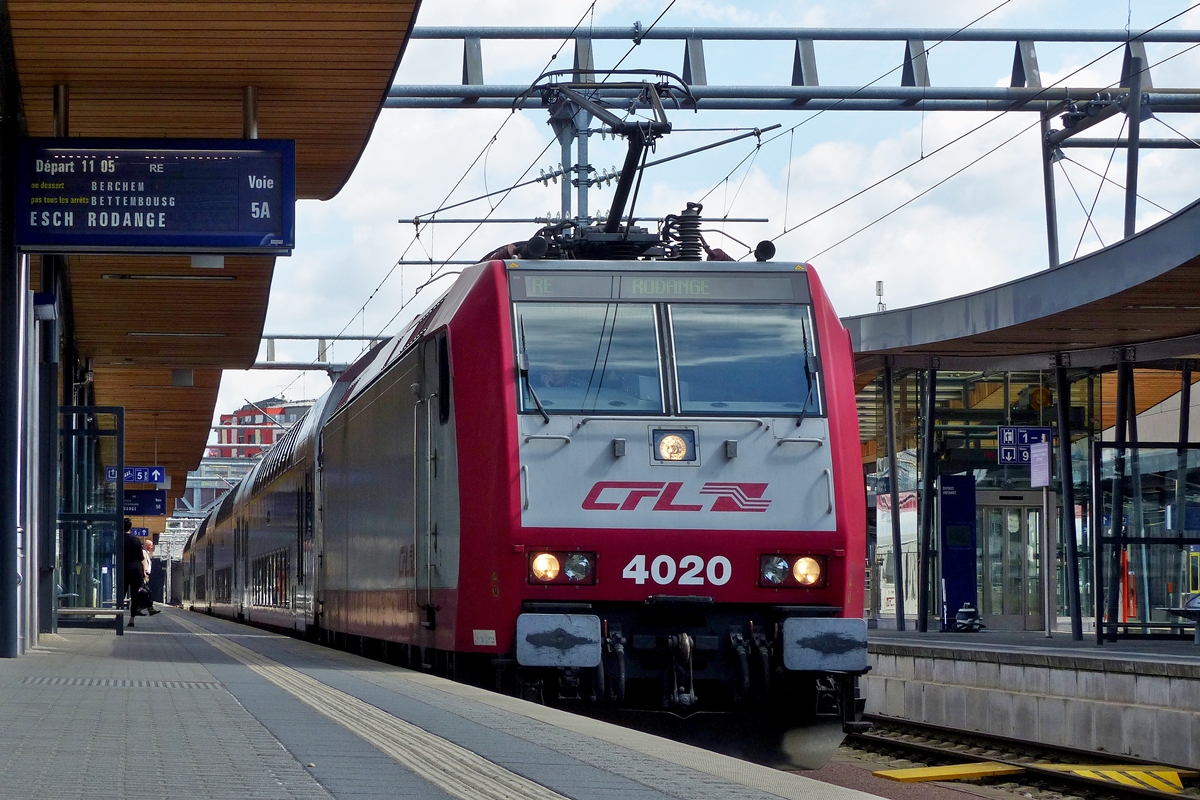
x=745, y=359
x=443, y=356
x=590, y=357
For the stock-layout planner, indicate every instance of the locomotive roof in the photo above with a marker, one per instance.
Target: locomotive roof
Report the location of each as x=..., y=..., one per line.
x=658, y=266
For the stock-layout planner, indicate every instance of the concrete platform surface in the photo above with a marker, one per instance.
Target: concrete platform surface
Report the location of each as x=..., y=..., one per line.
x=1128, y=698
x=1165, y=656
x=189, y=706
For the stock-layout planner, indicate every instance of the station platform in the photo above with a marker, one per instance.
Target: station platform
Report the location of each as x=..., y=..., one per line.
x=186, y=705
x=1137, y=698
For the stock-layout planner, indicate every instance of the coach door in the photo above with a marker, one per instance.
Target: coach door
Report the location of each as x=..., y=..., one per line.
x=1009, y=528
x=304, y=548
x=430, y=452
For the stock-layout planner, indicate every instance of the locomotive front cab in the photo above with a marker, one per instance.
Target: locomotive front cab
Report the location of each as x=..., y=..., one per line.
x=680, y=488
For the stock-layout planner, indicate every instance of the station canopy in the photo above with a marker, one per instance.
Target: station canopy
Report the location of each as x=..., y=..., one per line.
x=321, y=72
x=1137, y=299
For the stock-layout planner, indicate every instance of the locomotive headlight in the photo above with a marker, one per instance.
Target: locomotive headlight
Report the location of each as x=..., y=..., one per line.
x=545, y=567
x=774, y=570
x=578, y=567
x=672, y=447
x=807, y=571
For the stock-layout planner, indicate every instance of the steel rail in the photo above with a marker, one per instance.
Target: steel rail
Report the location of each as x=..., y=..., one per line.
x=637, y=34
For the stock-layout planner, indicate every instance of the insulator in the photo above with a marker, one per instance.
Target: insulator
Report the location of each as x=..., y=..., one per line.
x=691, y=247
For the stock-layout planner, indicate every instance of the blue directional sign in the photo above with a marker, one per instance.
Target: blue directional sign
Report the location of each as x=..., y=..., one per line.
x=146, y=502
x=138, y=474
x=156, y=195
x=140, y=531
x=1014, y=441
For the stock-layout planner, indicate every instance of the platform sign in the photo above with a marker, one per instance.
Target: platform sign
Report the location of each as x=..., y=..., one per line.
x=138, y=474
x=1039, y=464
x=140, y=531
x=146, y=502
x=156, y=195
x=1014, y=443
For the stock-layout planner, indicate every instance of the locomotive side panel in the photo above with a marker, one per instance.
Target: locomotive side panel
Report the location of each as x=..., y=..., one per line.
x=838, y=355
x=484, y=399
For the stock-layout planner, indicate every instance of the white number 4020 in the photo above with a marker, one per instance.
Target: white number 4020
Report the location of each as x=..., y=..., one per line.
x=664, y=570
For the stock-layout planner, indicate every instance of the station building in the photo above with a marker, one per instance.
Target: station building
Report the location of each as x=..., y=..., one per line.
x=1097, y=355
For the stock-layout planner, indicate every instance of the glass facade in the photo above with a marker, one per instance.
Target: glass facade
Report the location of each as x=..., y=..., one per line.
x=970, y=409
x=1150, y=551
x=90, y=518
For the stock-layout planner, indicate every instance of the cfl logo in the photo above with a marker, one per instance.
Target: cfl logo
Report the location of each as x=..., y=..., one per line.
x=661, y=496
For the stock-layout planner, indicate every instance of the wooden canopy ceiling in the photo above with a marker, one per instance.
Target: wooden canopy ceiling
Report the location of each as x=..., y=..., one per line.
x=148, y=68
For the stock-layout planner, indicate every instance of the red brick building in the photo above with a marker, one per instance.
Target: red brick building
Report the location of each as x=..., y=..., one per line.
x=255, y=426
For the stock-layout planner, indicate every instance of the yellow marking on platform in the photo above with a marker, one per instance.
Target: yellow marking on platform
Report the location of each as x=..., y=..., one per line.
x=955, y=772
x=1162, y=779
x=1087, y=773
x=1121, y=778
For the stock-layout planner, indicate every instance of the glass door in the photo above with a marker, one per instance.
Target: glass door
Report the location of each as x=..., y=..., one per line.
x=1010, y=559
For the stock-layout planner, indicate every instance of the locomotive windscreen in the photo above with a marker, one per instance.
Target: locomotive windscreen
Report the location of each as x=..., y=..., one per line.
x=666, y=343
x=591, y=356
x=744, y=359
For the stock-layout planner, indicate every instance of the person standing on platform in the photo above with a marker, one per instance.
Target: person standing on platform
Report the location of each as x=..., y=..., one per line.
x=135, y=575
x=147, y=599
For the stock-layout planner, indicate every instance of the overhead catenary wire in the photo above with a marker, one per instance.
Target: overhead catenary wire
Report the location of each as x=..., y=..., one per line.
x=971, y=132
x=1096, y=199
x=1117, y=184
x=850, y=96
x=926, y=191
x=436, y=274
x=482, y=153
x=638, y=40
x=1082, y=206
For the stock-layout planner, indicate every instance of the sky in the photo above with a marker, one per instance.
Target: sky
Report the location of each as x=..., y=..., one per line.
x=981, y=227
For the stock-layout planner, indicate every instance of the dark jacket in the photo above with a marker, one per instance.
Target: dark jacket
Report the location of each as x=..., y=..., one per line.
x=133, y=558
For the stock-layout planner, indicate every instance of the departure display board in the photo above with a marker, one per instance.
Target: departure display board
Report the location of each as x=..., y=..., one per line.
x=225, y=196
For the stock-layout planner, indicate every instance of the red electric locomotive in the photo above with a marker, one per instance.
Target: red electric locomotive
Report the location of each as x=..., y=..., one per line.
x=634, y=483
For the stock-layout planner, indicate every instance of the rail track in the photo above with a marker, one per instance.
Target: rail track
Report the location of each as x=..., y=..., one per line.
x=929, y=745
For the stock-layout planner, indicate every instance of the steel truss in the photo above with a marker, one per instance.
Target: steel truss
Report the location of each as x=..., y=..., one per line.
x=1076, y=108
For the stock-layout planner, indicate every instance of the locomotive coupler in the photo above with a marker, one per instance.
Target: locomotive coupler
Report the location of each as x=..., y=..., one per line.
x=616, y=645
x=738, y=641
x=763, y=649
x=681, y=695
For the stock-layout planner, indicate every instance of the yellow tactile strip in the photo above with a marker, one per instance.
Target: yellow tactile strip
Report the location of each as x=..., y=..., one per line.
x=735, y=770
x=455, y=770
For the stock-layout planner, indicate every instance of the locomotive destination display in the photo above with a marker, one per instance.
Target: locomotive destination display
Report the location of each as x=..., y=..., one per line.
x=156, y=195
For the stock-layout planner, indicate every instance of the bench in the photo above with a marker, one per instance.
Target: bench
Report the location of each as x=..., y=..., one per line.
x=1190, y=610
x=119, y=613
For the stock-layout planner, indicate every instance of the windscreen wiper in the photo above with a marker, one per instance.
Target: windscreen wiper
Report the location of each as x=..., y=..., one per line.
x=523, y=366
x=810, y=375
